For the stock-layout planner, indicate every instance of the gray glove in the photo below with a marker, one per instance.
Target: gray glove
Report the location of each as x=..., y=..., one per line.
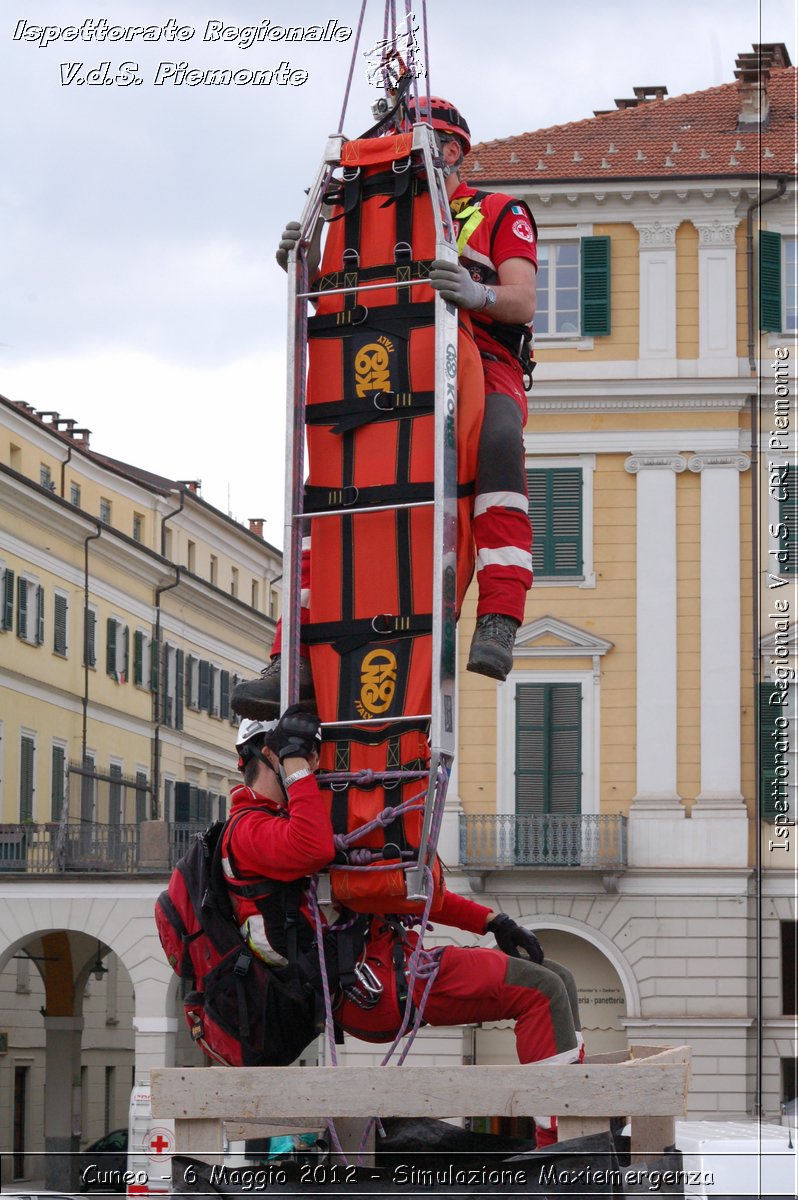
x=456, y=285
x=289, y=240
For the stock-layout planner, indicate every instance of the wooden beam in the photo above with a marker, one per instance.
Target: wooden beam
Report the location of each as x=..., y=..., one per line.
x=653, y=1087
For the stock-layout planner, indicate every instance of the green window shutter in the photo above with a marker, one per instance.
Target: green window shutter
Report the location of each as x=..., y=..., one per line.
x=595, y=267
x=125, y=654
x=182, y=802
x=141, y=797
x=115, y=795
x=788, y=517
x=60, y=613
x=235, y=679
x=110, y=646
x=39, y=615
x=222, y=809
x=57, y=789
x=555, y=511
x=769, y=281
x=548, y=754
x=8, y=599
x=167, y=716
x=224, y=696
x=773, y=745
x=138, y=658
x=89, y=637
x=191, y=674
x=26, y=778
x=22, y=608
x=179, y=687
x=155, y=665
x=204, y=685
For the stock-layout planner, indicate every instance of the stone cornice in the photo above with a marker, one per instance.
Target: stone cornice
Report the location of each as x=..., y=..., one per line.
x=654, y=462
x=697, y=462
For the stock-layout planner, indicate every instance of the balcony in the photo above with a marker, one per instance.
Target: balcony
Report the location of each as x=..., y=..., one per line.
x=52, y=848
x=495, y=842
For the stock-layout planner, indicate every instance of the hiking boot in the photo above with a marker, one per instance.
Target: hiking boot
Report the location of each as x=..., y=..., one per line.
x=492, y=645
x=259, y=699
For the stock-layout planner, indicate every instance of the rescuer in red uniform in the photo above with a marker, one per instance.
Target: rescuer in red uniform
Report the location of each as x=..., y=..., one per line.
x=289, y=836
x=495, y=282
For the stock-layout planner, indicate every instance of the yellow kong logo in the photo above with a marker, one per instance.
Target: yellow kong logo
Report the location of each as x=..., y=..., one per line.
x=377, y=683
x=371, y=367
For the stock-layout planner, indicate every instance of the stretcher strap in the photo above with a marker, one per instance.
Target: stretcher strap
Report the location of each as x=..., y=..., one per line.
x=355, y=411
x=348, y=635
x=331, y=280
x=396, y=319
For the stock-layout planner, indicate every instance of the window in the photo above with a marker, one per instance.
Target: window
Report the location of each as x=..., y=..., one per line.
x=138, y=527
x=58, y=781
x=46, y=477
x=778, y=286
x=193, y=804
x=117, y=650
x=27, y=776
x=105, y=510
x=7, y=614
x=191, y=557
x=224, y=695
x=254, y=593
x=548, y=757
x=142, y=653
x=573, y=288
x=74, y=494
x=192, y=682
x=60, y=623
x=89, y=637
x=234, y=581
x=214, y=573
x=555, y=510
x=15, y=457
x=30, y=611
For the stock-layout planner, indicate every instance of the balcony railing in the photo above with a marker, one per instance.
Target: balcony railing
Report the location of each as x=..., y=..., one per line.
x=75, y=847
x=492, y=841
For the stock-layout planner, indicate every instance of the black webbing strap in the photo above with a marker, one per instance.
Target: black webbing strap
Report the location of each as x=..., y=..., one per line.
x=355, y=411
x=396, y=319
x=418, y=269
x=362, y=735
x=390, y=184
x=321, y=499
x=345, y=636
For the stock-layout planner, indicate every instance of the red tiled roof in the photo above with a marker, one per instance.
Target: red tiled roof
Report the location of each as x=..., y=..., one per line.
x=679, y=137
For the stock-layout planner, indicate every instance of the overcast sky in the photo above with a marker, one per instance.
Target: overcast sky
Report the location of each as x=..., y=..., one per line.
x=139, y=291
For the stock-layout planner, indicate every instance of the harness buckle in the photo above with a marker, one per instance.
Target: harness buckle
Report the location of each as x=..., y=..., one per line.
x=366, y=990
x=390, y=401
x=242, y=964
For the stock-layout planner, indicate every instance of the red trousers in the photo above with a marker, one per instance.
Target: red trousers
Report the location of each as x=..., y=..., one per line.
x=472, y=985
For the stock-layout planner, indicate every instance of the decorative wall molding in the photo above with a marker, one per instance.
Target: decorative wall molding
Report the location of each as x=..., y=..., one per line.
x=716, y=233
x=657, y=233
x=697, y=462
x=649, y=462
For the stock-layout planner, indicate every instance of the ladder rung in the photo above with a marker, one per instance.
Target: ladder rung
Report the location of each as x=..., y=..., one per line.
x=371, y=508
x=361, y=287
x=375, y=721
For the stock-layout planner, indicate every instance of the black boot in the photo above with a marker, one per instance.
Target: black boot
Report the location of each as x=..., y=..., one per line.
x=492, y=645
x=259, y=699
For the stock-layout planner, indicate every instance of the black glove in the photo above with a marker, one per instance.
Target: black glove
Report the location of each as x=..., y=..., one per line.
x=514, y=940
x=297, y=734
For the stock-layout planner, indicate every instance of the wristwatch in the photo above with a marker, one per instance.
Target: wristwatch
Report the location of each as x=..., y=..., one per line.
x=490, y=297
x=297, y=775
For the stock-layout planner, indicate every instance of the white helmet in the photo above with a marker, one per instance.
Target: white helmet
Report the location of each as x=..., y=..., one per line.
x=248, y=730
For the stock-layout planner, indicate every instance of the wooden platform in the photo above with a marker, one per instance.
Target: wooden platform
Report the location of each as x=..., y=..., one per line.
x=648, y=1084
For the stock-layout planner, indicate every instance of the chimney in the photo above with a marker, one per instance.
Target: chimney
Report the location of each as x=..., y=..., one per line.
x=191, y=485
x=256, y=525
x=652, y=91
x=53, y=417
x=753, y=76
x=81, y=436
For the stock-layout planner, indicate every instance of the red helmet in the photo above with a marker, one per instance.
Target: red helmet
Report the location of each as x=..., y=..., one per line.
x=443, y=116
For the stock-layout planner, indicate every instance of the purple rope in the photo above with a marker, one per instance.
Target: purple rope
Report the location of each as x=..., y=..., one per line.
x=352, y=66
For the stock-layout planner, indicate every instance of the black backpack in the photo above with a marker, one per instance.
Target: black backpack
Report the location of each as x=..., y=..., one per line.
x=242, y=1012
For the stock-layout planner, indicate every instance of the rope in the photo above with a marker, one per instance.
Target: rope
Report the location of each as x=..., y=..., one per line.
x=426, y=53
x=352, y=66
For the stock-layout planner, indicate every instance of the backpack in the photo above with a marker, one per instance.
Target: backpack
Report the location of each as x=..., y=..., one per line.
x=241, y=1012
